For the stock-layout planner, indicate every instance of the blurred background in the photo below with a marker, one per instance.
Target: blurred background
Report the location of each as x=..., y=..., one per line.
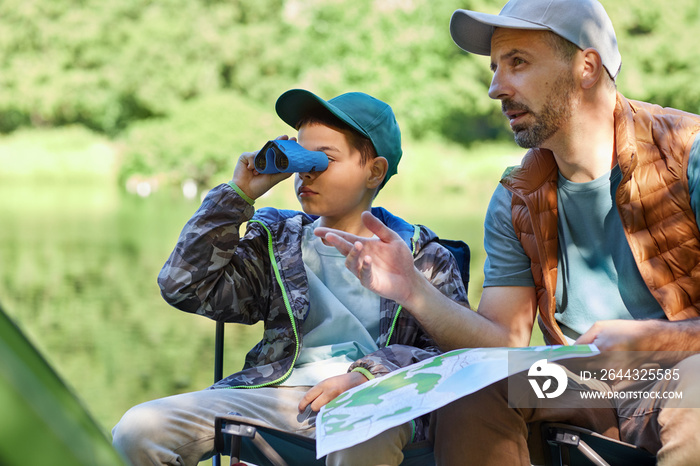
x=116, y=117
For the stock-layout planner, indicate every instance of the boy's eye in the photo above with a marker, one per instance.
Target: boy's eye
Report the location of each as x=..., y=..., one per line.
x=518, y=61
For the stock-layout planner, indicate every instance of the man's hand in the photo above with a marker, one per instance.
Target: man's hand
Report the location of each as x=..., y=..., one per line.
x=644, y=335
x=624, y=335
x=611, y=335
x=252, y=183
x=383, y=264
x=319, y=395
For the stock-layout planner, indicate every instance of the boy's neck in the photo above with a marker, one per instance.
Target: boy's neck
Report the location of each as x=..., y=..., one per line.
x=350, y=224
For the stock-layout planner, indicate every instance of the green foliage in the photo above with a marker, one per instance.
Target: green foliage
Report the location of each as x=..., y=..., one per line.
x=137, y=66
x=201, y=140
x=400, y=52
x=659, y=62
x=108, y=64
x=71, y=153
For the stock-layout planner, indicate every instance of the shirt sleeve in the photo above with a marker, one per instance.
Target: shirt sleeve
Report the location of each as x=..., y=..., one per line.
x=212, y=271
x=694, y=178
x=506, y=262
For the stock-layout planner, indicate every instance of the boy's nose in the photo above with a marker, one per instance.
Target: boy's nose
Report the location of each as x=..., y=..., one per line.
x=308, y=175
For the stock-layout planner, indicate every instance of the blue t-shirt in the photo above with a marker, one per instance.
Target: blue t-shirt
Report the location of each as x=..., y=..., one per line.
x=342, y=325
x=598, y=278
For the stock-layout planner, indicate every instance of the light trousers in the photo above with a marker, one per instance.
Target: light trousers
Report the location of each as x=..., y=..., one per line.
x=179, y=430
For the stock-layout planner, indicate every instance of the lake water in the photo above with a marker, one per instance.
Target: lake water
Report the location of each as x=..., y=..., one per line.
x=78, y=267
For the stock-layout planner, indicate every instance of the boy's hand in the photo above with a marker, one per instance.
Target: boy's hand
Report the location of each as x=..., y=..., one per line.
x=383, y=264
x=252, y=183
x=330, y=388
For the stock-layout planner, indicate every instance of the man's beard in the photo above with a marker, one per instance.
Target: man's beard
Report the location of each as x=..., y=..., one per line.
x=556, y=111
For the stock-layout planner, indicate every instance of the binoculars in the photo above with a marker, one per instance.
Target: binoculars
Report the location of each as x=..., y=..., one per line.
x=286, y=156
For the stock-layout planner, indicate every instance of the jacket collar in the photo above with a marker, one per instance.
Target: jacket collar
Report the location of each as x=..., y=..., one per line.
x=408, y=232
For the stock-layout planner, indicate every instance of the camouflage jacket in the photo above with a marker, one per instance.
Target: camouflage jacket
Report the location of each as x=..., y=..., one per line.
x=261, y=277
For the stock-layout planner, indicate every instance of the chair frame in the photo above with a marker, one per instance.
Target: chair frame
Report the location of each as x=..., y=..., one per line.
x=237, y=428
x=218, y=369
x=567, y=445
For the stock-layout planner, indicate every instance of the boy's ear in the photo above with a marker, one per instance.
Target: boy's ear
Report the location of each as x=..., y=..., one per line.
x=378, y=168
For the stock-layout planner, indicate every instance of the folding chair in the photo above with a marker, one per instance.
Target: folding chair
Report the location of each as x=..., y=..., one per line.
x=263, y=445
x=259, y=443
x=255, y=441
x=567, y=445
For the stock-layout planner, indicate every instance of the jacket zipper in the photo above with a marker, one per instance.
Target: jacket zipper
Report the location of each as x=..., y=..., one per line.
x=414, y=241
x=289, y=312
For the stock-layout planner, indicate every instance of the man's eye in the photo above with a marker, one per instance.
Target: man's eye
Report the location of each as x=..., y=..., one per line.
x=518, y=61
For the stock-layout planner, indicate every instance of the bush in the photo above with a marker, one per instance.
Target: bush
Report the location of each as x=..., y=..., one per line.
x=201, y=140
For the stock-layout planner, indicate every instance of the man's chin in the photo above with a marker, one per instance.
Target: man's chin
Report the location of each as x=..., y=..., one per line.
x=523, y=139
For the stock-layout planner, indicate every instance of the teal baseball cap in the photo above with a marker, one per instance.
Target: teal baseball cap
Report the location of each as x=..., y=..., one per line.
x=368, y=116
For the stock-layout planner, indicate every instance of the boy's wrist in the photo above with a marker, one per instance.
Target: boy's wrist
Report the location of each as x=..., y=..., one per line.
x=364, y=372
x=241, y=193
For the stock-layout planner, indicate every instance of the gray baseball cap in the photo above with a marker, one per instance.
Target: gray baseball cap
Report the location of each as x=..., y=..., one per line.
x=582, y=22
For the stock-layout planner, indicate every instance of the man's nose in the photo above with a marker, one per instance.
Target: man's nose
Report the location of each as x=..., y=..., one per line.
x=499, y=89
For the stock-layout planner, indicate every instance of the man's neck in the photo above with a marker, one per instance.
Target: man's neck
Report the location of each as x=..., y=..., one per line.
x=585, y=149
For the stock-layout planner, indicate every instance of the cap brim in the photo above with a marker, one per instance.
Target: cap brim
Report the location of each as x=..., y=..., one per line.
x=472, y=30
x=295, y=104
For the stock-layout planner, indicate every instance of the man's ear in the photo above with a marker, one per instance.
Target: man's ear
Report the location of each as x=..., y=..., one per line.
x=377, y=171
x=592, y=68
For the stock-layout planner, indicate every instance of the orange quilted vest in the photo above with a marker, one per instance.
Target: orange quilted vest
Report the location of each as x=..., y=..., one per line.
x=653, y=146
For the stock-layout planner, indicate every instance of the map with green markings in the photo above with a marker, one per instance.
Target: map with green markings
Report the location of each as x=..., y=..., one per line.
x=398, y=397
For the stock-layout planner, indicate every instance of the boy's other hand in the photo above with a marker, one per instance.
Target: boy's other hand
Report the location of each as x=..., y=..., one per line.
x=323, y=392
x=252, y=183
x=383, y=264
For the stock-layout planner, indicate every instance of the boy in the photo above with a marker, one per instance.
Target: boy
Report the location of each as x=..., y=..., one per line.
x=324, y=332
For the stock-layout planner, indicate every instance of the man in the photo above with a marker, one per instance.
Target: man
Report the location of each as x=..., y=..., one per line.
x=598, y=229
